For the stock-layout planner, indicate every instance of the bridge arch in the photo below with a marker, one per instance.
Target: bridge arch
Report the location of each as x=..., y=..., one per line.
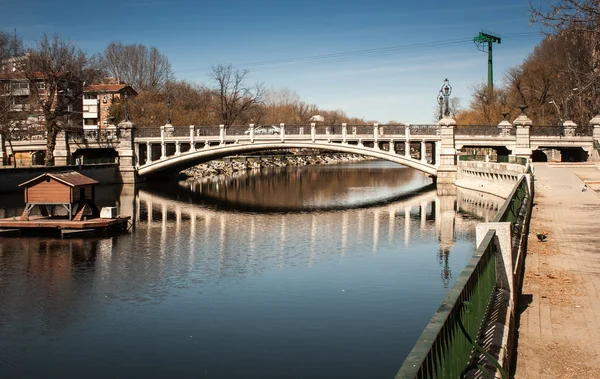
x=175, y=163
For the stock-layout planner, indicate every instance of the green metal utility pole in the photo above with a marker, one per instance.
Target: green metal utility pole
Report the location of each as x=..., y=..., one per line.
x=481, y=40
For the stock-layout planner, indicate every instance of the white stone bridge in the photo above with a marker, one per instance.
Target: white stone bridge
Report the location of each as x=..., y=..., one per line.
x=432, y=149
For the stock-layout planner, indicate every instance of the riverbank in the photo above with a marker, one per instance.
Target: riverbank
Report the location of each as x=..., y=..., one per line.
x=559, y=326
x=232, y=165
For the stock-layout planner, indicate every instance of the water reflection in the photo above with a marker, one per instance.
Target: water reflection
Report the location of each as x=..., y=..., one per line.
x=198, y=285
x=308, y=188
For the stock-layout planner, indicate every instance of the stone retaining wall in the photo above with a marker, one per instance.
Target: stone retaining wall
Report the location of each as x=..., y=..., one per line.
x=494, y=178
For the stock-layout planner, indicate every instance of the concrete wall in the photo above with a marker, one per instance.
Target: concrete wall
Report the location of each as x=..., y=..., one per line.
x=10, y=178
x=494, y=178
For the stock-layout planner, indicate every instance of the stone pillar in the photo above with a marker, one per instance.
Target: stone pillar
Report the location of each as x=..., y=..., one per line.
x=344, y=132
x=436, y=148
x=595, y=122
x=222, y=134
x=313, y=131
x=569, y=128
x=148, y=152
x=407, y=148
x=61, y=149
x=163, y=144
x=447, y=154
x=392, y=148
x=423, y=151
x=505, y=126
x=177, y=148
x=169, y=130
x=252, y=133
x=327, y=130
x=192, y=143
x=127, y=157
x=523, y=144
x=282, y=131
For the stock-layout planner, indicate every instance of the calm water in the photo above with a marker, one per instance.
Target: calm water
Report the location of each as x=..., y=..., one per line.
x=312, y=272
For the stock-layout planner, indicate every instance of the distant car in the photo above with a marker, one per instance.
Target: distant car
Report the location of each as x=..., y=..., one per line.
x=265, y=129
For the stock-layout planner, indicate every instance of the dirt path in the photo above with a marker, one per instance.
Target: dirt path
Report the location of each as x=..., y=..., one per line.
x=559, y=331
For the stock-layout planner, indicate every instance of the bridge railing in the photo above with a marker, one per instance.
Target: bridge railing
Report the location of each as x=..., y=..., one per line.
x=547, y=131
x=424, y=129
x=479, y=130
x=446, y=348
x=147, y=132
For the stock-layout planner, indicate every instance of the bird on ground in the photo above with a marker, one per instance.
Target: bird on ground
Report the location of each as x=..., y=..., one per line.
x=585, y=188
x=542, y=237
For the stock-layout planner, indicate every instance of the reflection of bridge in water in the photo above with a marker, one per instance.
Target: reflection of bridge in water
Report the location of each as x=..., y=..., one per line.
x=423, y=213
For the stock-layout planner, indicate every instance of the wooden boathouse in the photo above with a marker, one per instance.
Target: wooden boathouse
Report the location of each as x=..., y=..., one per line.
x=74, y=193
x=71, y=190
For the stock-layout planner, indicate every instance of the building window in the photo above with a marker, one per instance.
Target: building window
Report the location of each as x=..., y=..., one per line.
x=89, y=96
x=90, y=121
x=20, y=85
x=41, y=85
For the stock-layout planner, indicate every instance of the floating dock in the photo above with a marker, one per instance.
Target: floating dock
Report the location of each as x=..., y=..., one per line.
x=67, y=228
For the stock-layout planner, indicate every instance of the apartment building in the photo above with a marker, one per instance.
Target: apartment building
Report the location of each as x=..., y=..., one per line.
x=97, y=99
x=15, y=88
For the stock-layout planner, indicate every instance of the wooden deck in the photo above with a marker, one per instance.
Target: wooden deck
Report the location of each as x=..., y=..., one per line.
x=45, y=222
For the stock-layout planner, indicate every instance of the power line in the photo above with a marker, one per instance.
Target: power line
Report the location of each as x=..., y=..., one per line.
x=355, y=54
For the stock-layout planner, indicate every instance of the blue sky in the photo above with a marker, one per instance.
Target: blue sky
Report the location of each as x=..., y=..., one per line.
x=399, y=84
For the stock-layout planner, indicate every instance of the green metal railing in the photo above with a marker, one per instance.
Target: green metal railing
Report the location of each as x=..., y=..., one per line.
x=446, y=347
x=444, y=350
x=512, y=206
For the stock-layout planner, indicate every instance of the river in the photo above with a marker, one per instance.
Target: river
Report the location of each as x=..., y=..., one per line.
x=304, y=272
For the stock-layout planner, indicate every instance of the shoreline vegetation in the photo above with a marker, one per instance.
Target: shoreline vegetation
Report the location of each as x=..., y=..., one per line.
x=239, y=164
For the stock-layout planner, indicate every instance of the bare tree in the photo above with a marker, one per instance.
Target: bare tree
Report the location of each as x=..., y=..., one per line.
x=234, y=98
x=558, y=15
x=56, y=70
x=137, y=65
x=12, y=116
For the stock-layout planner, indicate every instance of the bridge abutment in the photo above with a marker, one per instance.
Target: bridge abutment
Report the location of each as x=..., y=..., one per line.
x=127, y=156
x=446, y=171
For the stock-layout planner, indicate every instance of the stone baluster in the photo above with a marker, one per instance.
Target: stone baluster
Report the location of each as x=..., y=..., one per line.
x=251, y=133
x=136, y=155
x=313, y=131
x=222, y=134
x=344, y=132
x=177, y=147
x=376, y=136
x=192, y=134
x=148, y=153
x=392, y=146
x=163, y=144
x=282, y=131
x=423, y=151
x=407, y=148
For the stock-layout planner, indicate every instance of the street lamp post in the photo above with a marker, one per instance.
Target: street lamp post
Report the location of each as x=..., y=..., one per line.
x=169, y=111
x=444, y=97
x=126, y=107
x=440, y=100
